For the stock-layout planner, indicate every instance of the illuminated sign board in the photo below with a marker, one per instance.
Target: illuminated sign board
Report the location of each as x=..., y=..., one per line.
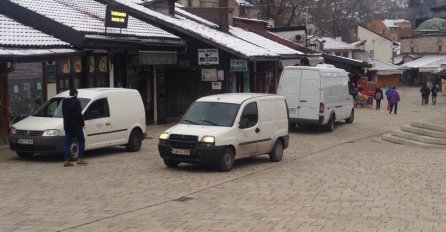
x=115, y=17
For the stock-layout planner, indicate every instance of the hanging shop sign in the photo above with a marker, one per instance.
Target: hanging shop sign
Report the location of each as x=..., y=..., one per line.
x=239, y=65
x=208, y=56
x=115, y=17
x=209, y=74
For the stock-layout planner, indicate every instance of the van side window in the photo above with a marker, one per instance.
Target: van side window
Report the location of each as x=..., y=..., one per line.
x=98, y=109
x=250, y=114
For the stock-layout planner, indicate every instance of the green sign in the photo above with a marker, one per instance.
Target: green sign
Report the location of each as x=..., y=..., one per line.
x=239, y=65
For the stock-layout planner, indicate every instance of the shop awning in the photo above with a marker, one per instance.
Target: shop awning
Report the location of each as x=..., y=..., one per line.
x=157, y=57
x=36, y=54
x=427, y=64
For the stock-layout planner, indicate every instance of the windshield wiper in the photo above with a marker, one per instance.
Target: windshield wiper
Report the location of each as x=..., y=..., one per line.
x=210, y=122
x=189, y=121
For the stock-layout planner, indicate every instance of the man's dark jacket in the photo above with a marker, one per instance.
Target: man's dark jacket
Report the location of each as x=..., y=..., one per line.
x=72, y=114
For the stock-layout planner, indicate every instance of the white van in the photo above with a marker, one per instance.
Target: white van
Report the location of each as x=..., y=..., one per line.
x=113, y=116
x=219, y=129
x=317, y=95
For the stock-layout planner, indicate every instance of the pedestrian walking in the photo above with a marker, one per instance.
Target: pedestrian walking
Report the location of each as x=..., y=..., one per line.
x=388, y=93
x=434, y=91
x=73, y=123
x=378, y=97
x=425, y=91
x=394, y=99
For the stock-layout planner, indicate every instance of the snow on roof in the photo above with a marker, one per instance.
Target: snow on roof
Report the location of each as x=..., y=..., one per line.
x=363, y=56
x=384, y=68
x=229, y=42
x=244, y=2
x=89, y=16
x=428, y=63
x=248, y=36
x=333, y=44
x=13, y=52
x=13, y=33
x=191, y=16
x=262, y=41
x=393, y=22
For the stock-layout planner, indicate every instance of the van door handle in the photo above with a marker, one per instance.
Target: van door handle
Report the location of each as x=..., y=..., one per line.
x=303, y=100
x=107, y=124
x=257, y=130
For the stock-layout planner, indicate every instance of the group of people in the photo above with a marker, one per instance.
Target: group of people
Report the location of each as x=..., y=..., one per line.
x=426, y=91
x=392, y=96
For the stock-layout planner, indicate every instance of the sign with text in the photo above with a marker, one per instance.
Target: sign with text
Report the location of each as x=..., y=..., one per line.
x=208, y=56
x=115, y=17
x=239, y=65
x=216, y=85
x=209, y=74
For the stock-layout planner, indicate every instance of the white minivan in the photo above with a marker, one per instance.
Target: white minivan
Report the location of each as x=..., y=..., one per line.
x=113, y=117
x=219, y=129
x=317, y=95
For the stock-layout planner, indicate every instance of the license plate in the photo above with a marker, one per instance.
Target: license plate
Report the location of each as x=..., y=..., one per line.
x=180, y=152
x=25, y=141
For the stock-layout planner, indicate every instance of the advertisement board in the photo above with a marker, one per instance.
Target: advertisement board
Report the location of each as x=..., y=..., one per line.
x=208, y=57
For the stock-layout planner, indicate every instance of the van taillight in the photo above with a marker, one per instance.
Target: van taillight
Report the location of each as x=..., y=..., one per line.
x=321, y=107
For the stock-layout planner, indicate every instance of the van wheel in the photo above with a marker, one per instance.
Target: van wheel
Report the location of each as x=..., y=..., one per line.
x=330, y=125
x=226, y=160
x=277, y=152
x=25, y=155
x=351, y=117
x=171, y=163
x=135, y=140
x=74, y=149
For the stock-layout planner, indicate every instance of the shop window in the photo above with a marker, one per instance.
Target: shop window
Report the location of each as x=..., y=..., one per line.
x=68, y=73
x=98, y=71
x=25, y=88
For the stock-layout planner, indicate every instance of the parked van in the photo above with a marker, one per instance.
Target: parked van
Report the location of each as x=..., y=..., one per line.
x=113, y=117
x=219, y=129
x=317, y=95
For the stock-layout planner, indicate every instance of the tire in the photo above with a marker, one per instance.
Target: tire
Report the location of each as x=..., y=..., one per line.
x=135, y=140
x=226, y=161
x=277, y=152
x=25, y=155
x=330, y=125
x=74, y=149
x=351, y=117
x=171, y=163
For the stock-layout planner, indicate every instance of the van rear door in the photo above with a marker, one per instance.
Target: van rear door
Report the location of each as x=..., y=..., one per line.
x=310, y=95
x=289, y=87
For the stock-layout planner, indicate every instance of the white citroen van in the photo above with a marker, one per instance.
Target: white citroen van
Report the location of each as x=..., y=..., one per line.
x=113, y=117
x=317, y=95
x=219, y=129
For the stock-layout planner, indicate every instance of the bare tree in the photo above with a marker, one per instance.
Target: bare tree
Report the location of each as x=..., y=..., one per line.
x=336, y=17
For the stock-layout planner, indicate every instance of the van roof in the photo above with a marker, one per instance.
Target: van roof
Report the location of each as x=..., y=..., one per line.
x=93, y=92
x=236, y=98
x=324, y=67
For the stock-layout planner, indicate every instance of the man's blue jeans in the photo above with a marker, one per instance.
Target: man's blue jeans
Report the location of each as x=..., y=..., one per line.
x=69, y=135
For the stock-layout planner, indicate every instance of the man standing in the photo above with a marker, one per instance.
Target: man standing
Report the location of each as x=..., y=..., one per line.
x=425, y=91
x=378, y=97
x=73, y=123
x=394, y=99
x=434, y=91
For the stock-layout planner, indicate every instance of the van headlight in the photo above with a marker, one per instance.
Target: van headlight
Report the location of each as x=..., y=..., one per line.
x=164, y=136
x=51, y=133
x=13, y=130
x=207, y=141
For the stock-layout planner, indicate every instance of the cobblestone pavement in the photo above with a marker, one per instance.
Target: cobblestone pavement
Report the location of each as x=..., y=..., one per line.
x=346, y=180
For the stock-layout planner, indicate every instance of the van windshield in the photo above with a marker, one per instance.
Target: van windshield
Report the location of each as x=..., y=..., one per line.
x=211, y=114
x=53, y=108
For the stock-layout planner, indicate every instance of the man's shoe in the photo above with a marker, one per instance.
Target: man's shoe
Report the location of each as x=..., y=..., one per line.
x=82, y=162
x=67, y=164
